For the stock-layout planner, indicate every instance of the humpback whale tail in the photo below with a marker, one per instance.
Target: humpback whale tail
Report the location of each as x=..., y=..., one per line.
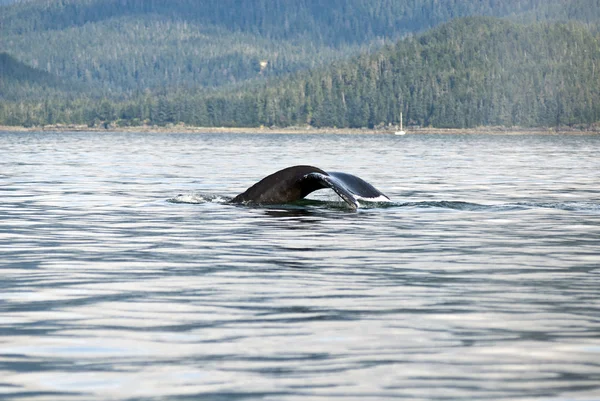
x=294, y=183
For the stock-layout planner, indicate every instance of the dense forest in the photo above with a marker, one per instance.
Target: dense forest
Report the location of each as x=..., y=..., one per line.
x=120, y=47
x=470, y=72
x=344, y=63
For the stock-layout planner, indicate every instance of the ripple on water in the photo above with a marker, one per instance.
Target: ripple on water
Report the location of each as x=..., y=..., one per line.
x=478, y=281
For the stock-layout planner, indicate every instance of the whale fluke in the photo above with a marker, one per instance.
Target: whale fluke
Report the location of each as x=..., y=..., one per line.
x=294, y=183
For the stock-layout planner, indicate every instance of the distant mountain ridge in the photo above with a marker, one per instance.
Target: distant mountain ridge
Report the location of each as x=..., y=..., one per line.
x=119, y=47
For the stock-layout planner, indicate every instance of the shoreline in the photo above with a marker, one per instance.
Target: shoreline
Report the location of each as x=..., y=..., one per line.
x=305, y=130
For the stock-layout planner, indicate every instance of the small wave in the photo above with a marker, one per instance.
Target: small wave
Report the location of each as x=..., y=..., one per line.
x=567, y=206
x=455, y=205
x=475, y=207
x=195, y=198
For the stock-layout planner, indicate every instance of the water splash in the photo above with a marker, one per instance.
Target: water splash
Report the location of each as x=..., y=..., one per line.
x=197, y=198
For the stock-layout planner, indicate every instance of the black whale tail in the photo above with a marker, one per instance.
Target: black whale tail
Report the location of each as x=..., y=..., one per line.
x=294, y=183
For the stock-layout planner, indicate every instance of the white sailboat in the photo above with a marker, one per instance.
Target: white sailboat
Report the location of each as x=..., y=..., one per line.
x=401, y=132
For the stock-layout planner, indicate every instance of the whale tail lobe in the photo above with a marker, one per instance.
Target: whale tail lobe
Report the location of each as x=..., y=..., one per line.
x=294, y=183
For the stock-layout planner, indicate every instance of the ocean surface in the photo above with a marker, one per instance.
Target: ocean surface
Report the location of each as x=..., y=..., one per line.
x=126, y=275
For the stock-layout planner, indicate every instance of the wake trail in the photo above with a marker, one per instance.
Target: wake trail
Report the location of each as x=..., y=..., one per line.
x=200, y=198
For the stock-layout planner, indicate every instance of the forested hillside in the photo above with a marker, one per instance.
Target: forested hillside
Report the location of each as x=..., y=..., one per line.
x=345, y=63
x=471, y=72
x=119, y=47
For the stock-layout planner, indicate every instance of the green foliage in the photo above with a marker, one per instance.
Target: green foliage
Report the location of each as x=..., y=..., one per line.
x=115, y=48
x=275, y=62
x=467, y=73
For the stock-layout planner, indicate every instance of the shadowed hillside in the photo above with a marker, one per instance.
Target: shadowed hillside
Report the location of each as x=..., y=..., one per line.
x=18, y=79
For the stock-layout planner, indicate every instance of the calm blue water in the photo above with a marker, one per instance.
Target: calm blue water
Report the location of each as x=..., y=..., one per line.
x=126, y=276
